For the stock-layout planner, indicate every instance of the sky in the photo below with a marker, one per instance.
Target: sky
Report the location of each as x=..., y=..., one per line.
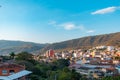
x=49, y=21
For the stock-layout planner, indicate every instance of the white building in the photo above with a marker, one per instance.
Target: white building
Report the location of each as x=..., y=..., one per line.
x=110, y=48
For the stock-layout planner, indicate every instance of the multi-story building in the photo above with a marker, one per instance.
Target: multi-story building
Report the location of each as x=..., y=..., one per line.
x=50, y=53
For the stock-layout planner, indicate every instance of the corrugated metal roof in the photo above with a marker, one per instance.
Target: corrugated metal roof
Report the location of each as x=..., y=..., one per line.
x=4, y=78
x=19, y=74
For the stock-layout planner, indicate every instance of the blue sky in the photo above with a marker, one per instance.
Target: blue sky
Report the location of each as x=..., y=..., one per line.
x=48, y=21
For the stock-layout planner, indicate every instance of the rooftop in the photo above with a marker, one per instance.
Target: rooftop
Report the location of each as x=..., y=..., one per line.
x=16, y=75
x=10, y=65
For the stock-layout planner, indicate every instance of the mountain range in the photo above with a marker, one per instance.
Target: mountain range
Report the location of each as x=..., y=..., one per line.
x=7, y=46
x=112, y=39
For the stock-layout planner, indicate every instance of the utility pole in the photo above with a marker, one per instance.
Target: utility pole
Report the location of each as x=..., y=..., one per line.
x=55, y=76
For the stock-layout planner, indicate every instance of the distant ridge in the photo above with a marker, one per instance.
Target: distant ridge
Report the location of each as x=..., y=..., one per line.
x=112, y=39
x=8, y=46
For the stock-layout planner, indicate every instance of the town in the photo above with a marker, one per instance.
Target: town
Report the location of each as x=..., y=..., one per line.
x=59, y=39
x=97, y=62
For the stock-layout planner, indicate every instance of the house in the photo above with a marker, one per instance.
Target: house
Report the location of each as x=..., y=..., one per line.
x=11, y=71
x=110, y=48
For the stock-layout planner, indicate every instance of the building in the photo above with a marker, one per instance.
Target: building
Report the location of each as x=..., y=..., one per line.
x=110, y=48
x=10, y=71
x=50, y=53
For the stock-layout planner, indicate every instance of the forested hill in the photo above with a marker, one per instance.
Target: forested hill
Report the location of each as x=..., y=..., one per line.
x=7, y=46
x=86, y=42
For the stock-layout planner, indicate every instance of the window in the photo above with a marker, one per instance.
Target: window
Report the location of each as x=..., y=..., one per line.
x=12, y=71
x=4, y=71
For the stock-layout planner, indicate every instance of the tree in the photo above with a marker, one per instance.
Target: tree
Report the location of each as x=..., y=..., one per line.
x=64, y=75
x=34, y=77
x=61, y=63
x=75, y=75
x=24, y=56
x=28, y=65
x=12, y=55
x=111, y=78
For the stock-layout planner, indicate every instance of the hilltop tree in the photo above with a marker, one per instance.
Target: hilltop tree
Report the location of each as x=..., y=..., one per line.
x=24, y=56
x=12, y=55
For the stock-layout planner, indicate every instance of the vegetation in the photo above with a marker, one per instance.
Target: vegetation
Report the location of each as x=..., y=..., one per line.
x=12, y=55
x=57, y=70
x=111, y=78
x=24, y=56
x=116, y=57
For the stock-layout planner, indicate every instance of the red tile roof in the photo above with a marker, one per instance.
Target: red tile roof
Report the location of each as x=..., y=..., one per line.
x=10, y=65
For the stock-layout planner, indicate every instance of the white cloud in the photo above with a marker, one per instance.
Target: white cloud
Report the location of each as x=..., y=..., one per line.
x=71, y=26
x=105, y=10
x=90, y=31
x=68, y=26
